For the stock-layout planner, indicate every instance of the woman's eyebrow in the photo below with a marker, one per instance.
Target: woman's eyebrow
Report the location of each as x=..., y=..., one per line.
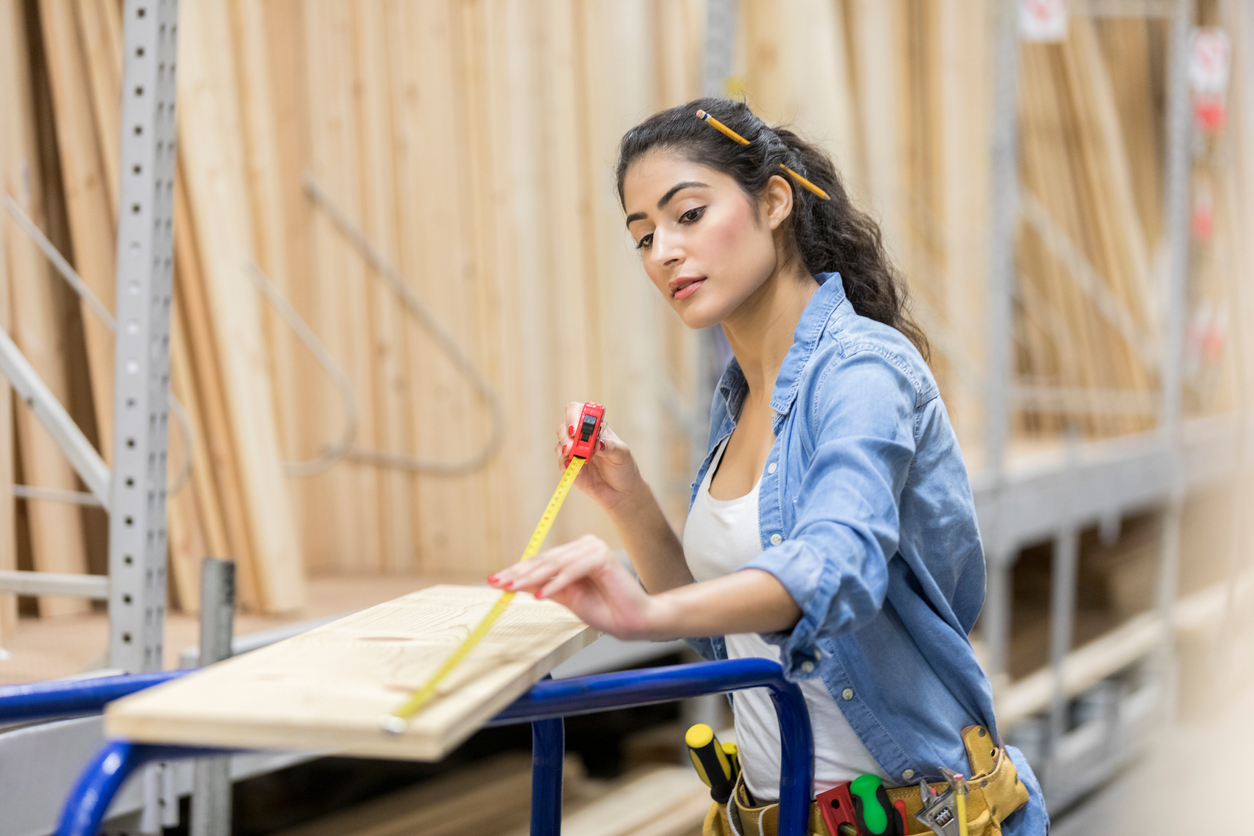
x=687, y=184
x=666, y=198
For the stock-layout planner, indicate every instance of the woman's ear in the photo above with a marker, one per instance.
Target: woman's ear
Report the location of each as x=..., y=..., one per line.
x=778, y=200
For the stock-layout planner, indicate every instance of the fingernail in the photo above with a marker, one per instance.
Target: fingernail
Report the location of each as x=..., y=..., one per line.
x=509, y=584
x=570, y=429
x=539, y=594
x=492, y=578
x=602, y=445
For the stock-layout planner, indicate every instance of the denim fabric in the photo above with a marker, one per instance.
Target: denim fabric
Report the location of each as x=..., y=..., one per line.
x=867, y=518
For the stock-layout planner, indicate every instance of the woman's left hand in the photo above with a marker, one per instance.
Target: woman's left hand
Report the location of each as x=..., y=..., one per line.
x=585, y=577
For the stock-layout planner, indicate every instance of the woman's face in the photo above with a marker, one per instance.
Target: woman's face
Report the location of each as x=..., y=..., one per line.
x=701, y=243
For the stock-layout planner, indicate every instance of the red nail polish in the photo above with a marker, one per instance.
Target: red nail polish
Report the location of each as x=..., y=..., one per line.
x=602, y=445
x=570, y=429
x=491, y=578
x=539, y=594
x=509, y=584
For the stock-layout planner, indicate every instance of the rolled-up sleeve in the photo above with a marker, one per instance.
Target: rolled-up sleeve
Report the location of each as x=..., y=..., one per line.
x=834, y=562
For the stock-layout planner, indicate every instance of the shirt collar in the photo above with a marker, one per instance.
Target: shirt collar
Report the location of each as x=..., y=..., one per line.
x=732, y=385
x=809, y=328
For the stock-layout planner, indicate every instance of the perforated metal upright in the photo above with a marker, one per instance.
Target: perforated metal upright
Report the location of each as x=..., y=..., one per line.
x=137, y=530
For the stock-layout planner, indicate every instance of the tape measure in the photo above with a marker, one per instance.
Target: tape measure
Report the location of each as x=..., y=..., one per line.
x=585, y=443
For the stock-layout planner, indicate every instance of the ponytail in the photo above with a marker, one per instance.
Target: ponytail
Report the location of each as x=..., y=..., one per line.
x=831, y=235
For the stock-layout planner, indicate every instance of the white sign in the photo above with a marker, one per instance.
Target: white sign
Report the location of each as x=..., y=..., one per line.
x=1043, y=20
x=1210, y=58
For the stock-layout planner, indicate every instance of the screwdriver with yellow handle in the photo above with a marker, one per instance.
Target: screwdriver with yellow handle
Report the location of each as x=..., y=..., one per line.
x=586, y=440
x=711, y=760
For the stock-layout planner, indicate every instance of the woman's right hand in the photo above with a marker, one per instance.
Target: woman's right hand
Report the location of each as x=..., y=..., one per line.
x=610, y=474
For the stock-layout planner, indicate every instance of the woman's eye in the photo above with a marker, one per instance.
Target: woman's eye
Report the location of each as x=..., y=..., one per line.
x=645, y=242
x=692, y=215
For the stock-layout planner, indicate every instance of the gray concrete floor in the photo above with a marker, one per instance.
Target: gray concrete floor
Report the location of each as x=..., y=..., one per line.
x=1192, y=780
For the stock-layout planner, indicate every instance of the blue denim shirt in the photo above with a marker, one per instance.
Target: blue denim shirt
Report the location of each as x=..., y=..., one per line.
x=867, y=518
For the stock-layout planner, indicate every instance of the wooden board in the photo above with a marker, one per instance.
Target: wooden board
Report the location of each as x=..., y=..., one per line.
x=666, y=801
x=214, y=171
x=92, y=227
x=56, y=533
x=479, y=799
x=331, y=688
x=10, y=93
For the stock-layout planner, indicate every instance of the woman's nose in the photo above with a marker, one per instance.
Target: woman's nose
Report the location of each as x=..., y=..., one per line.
x=666, y=252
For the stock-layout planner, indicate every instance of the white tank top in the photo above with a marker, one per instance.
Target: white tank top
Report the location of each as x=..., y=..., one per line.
x=721, y=536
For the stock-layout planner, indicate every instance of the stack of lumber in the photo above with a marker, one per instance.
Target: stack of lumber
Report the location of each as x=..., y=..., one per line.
x=649, y=801
x=899, y=92
x=486, y=798
x=471, y=143
x=494, y=797
x=1090, y=119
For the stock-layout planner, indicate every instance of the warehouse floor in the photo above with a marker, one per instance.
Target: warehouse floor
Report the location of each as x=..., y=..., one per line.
x=1200, y=763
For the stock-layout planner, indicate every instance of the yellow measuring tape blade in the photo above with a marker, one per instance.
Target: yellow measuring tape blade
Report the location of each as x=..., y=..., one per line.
x=396, y=721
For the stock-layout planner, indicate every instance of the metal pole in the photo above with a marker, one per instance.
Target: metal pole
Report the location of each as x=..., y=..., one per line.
x=1179, y=125
x=1061, y=618
x=548, y=748
x=720, y=46
x=211, y=783
x=1003, y=222
x=137, y=530
x=998, y=349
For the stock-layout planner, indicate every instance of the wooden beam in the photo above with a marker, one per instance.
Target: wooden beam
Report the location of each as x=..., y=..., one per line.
x=477, y=799
x=332, y=688
x=56, y=529
x=666, y=801
x=347, y=494
x=390, y=383
x=92, y=227
x=100, y=33
x=14, y=119
x=215, y=174
x=963, y=55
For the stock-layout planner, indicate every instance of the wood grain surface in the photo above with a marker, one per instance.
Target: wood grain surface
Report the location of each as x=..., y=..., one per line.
x=331, y=688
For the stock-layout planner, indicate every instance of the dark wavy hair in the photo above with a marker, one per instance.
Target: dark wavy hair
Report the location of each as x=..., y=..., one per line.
x=831, y=235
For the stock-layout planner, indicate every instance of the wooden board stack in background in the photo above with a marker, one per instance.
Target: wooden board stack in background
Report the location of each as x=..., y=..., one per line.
x=473, y=144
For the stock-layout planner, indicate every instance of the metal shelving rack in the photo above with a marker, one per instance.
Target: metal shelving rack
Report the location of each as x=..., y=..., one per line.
x=1017, y=504
x=1092, y=482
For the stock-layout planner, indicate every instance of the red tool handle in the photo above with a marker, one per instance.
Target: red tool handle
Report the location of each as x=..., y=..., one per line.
x=836, y=807
x=587, y=431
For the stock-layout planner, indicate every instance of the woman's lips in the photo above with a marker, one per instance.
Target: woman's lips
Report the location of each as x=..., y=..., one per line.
x=689, y=289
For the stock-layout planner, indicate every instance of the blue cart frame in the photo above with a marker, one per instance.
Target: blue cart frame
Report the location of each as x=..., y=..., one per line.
x=543, y=706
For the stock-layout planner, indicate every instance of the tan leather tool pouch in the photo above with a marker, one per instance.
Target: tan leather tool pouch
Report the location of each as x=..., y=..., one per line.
x=995, y=792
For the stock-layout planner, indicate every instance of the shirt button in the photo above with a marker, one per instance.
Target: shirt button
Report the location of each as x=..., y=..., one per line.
x=776, y=539
x=807, y=667
x=847, y=693
x=908, y=774
x=770, y=468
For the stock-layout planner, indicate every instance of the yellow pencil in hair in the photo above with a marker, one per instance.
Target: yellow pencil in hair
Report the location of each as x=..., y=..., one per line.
x=805, y=183
x=720, y=127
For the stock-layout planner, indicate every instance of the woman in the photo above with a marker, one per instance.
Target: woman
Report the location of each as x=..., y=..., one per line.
x=832, y=525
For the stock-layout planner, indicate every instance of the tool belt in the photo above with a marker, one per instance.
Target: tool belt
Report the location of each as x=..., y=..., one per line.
x=995, y=793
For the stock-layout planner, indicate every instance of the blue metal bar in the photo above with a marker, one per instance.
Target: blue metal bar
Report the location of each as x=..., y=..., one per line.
x=93, y=793
x=548, y=749
x=625, y=689
x=542, y=706
x=72, y=698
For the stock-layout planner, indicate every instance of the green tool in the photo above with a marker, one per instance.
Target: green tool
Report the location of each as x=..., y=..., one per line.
x=876, y=814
